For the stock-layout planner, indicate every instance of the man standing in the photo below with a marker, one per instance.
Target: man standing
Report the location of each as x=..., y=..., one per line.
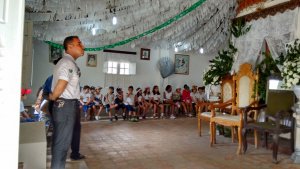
x=65, y=111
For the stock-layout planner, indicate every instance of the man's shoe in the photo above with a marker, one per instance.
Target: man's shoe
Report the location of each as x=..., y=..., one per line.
x=79, y=157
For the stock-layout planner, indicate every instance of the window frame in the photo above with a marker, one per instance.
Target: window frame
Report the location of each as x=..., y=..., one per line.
x=112, y=67
x=124, y=68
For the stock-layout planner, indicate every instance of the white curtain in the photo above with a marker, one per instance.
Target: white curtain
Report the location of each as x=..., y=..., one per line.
x=276, y=30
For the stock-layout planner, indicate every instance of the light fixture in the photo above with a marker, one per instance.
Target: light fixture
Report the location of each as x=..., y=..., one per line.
x=201, y=50
x=176, y=49
x=114, y=20
x=94, y=31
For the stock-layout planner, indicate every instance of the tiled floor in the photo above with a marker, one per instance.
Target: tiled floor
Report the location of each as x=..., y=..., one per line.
x=165, y=144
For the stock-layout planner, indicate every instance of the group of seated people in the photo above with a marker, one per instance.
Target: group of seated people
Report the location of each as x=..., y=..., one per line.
x=38, y=111
x=135, y=104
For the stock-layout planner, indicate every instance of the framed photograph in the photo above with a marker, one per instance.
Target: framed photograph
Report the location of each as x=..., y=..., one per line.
x=54, y=53
x=145, y=54
x=91, y=60
x=182, y=63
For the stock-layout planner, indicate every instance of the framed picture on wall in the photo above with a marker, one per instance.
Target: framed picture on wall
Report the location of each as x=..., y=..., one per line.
x=91, y=60
x=54, y=53
x=145, y=54
x=182, y=63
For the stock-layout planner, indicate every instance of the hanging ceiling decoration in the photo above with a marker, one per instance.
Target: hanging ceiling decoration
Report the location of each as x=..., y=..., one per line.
x=162, y=23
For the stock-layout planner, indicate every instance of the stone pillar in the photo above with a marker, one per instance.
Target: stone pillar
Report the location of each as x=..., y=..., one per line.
x=297, y=20
x=296, y=155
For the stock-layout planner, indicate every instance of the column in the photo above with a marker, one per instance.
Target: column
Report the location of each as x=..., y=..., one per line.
x=296, y=155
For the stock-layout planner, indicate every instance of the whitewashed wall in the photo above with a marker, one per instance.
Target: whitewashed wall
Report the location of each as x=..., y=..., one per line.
x=147, y=73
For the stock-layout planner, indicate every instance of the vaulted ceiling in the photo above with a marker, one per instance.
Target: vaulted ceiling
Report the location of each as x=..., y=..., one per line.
x=204, y=27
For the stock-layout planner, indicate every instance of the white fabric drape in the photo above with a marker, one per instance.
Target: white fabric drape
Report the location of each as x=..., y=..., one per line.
x=276, y=30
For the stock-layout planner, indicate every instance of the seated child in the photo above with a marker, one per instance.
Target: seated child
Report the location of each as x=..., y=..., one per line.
x=147, y=103
x=129, y=103
x=109, y=100
x=24, y=116
x=168, y=99
x=119, y=102
x=85, y=100
x=140, y=103
x=201, y=97
x=156, y=101
x=177, y=100
x=92, y=90
x=91, y=107
x=98, y=102
x=187, y=100
x=194, y=97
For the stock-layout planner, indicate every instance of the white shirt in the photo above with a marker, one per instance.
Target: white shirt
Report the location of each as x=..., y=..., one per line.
x=98, y=98
x=109, y=98
x=129, y=100
x=155, y=96
x=201, y=96
x=146, y=96
x=168, y=95
x=85, y=96
x=22, y=109
x=66, y=69
x=194, y=97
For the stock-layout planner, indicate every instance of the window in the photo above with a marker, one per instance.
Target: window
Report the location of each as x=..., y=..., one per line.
x=121, y=68
x=112, y=68
x=124, y=68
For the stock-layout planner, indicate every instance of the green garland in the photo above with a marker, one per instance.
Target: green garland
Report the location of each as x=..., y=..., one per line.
x=159, y=27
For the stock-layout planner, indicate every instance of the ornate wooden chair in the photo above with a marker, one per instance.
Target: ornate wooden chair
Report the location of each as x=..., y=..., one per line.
x=274, y=118
x=227, y=97
x=244, y=82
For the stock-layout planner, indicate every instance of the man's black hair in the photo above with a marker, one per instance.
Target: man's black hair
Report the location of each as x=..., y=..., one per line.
x=68, y=40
